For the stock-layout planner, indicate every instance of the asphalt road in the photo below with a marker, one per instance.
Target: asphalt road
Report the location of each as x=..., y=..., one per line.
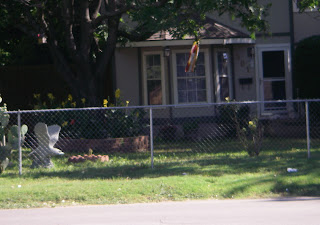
x=289, y=211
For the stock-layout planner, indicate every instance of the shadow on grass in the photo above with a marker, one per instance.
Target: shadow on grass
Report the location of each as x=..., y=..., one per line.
x=175, y=164
x=222, y=145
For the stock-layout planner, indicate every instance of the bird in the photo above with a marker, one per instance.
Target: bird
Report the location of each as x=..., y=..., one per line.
x=47, y=137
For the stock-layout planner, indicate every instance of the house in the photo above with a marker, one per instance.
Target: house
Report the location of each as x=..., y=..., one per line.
x=230, y=63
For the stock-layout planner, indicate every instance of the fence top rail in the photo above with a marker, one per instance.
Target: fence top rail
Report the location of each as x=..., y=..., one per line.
x=167, y=106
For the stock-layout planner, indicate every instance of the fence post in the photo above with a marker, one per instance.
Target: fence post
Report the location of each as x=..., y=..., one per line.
x=19, y=142
x=151, y=137
x=308, y=128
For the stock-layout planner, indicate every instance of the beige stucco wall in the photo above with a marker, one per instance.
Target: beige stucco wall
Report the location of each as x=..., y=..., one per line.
x=127, y=74
x=278, y=17
x=305, y=25
x=273, y=39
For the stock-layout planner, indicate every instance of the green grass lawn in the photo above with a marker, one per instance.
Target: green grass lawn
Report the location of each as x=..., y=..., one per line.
x=177, y=175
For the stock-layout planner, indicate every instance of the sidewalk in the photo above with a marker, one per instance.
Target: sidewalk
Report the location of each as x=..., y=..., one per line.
x=286, y=211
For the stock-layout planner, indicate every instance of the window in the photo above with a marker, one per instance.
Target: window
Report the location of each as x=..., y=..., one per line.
x=153, y=79
x=273, y=70
x=223, y=75
x=191, y=87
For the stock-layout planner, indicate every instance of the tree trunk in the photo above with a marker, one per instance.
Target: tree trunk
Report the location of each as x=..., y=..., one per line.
x=86, y=78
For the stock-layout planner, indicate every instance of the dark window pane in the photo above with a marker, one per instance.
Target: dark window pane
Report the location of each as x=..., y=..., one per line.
x=200, y=70
x=180, y=71
x=200, y=59
x=201, y=84
x=273, y=64
x=182, y=85
x=192, y=96
x=157, y=72
x=149, y=60
x=274, y=90
x=154, y=92
x=191, y=84
x=154, y=72
x=201, y=96
x=153, y=60
x=182, y=96
x=224, y=88
x=156, y=60
x=181, y=59
x=191, y=74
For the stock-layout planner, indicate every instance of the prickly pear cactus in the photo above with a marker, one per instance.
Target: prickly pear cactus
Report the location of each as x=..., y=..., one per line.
x=9, y=138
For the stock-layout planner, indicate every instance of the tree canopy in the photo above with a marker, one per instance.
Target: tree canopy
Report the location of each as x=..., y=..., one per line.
x=308, y=4
x=82, y=35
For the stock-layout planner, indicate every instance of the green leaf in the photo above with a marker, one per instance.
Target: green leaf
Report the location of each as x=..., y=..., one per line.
x=253, y=35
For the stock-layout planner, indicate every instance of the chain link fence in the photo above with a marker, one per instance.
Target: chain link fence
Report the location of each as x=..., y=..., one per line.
x=76, y=135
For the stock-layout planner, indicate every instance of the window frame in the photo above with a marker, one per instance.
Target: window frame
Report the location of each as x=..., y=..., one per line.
x=207, y=75
x=145, y=79
x=286, y=48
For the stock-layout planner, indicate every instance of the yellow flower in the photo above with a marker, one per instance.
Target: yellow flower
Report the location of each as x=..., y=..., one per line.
x=69, y=97
x=50, y=96
x=83, y=100
x=227, y=99
x=127, y=102
x=36, y=96
x=65, y=123
x=252, y=124
x=105, y=103
x=117, y=93
x=73, y=104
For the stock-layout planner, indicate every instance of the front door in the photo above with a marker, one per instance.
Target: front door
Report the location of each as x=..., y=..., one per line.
x=275, y=82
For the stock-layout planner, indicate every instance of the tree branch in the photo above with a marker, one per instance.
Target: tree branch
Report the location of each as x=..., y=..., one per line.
x=113, y=25
x=68, y=12
x=95, y=8
x=124, y=9
x=86, y=30
x=135, y=36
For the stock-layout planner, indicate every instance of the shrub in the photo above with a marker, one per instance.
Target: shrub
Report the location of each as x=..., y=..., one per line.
x=190, y=127
x=123, y=122
x=168, y=132
x=92, y=124
x=248, y=130
x=306, y=67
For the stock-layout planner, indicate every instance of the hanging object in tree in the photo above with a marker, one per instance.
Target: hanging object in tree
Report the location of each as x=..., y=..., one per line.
x=42, y=39
x=192, y=57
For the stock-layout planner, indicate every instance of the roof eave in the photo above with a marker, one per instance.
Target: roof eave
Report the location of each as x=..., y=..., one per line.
x=163, y=43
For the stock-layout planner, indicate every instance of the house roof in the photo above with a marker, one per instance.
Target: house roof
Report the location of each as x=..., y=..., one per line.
x=212, y=33
x=211, y=30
